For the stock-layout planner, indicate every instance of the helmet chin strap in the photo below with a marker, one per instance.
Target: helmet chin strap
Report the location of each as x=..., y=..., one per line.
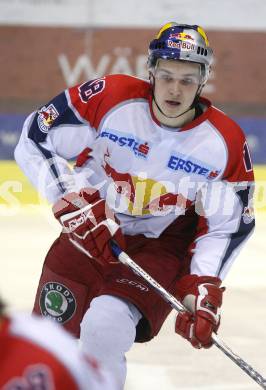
x=193, y=104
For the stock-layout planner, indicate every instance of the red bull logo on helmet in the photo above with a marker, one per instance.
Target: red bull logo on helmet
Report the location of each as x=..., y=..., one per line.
x=180, y=45
x=181, y=36
x=138, y=146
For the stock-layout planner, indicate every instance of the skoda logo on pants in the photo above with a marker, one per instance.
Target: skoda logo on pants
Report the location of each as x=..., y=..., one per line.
x=57, y=302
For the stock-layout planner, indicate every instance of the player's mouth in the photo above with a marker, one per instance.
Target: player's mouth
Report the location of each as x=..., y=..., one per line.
x=172, y=103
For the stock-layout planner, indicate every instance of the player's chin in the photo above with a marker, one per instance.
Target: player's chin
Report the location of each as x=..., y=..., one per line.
x=172, y=110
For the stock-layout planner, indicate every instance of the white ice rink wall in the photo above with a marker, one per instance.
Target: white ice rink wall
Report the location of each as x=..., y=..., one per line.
x=212, y=14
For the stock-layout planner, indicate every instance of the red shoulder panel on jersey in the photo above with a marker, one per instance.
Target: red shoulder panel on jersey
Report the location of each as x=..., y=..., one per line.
x=239, y=165
x=94, y=98
x=33, y=363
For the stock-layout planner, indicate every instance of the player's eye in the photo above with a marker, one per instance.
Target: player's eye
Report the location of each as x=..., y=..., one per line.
x=167, y=78
x=186, y=81
x=164, y=77
x=189, y=81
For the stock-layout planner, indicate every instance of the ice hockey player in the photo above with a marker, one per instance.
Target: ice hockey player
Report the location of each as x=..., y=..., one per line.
x=38, y=354
x=159, y=170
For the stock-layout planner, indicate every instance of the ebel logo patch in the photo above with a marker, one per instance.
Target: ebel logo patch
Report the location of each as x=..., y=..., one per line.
x=248, y=215
x=138, y=146
x=46, y=117
x=57, y=302
x=181, y=162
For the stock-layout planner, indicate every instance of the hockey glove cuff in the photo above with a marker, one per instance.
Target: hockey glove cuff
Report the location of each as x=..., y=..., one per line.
x=89, y=224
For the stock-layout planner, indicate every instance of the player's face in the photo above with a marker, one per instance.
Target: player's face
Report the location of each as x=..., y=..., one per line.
x=176, y=84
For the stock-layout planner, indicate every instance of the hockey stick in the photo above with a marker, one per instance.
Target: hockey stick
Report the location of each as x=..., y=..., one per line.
x=126, y=260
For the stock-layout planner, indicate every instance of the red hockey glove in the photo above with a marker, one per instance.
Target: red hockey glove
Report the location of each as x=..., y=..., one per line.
x=202, y=296
x=90, y=224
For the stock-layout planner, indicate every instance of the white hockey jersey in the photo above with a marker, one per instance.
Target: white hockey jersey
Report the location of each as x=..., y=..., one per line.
x=151, y=175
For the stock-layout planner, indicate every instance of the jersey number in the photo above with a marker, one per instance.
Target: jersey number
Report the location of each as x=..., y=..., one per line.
x=247, y=158
x=91, y=88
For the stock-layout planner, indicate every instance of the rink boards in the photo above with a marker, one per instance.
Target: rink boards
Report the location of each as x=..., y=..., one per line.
x=15, y=188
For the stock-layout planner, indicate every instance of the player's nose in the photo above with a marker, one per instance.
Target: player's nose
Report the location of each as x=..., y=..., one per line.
x=175, y=88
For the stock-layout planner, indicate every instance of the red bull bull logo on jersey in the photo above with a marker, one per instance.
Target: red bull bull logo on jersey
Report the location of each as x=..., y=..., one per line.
x=139, y=147
x=142, y=195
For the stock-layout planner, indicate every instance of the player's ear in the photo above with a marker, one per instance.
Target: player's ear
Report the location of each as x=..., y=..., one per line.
x=151, y=77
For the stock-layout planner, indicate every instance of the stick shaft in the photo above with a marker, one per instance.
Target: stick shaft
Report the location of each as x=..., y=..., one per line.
x=126, y=260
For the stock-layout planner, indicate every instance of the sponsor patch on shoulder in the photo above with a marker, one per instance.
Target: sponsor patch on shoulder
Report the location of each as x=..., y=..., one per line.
x=46, y=117
x=248, y=215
